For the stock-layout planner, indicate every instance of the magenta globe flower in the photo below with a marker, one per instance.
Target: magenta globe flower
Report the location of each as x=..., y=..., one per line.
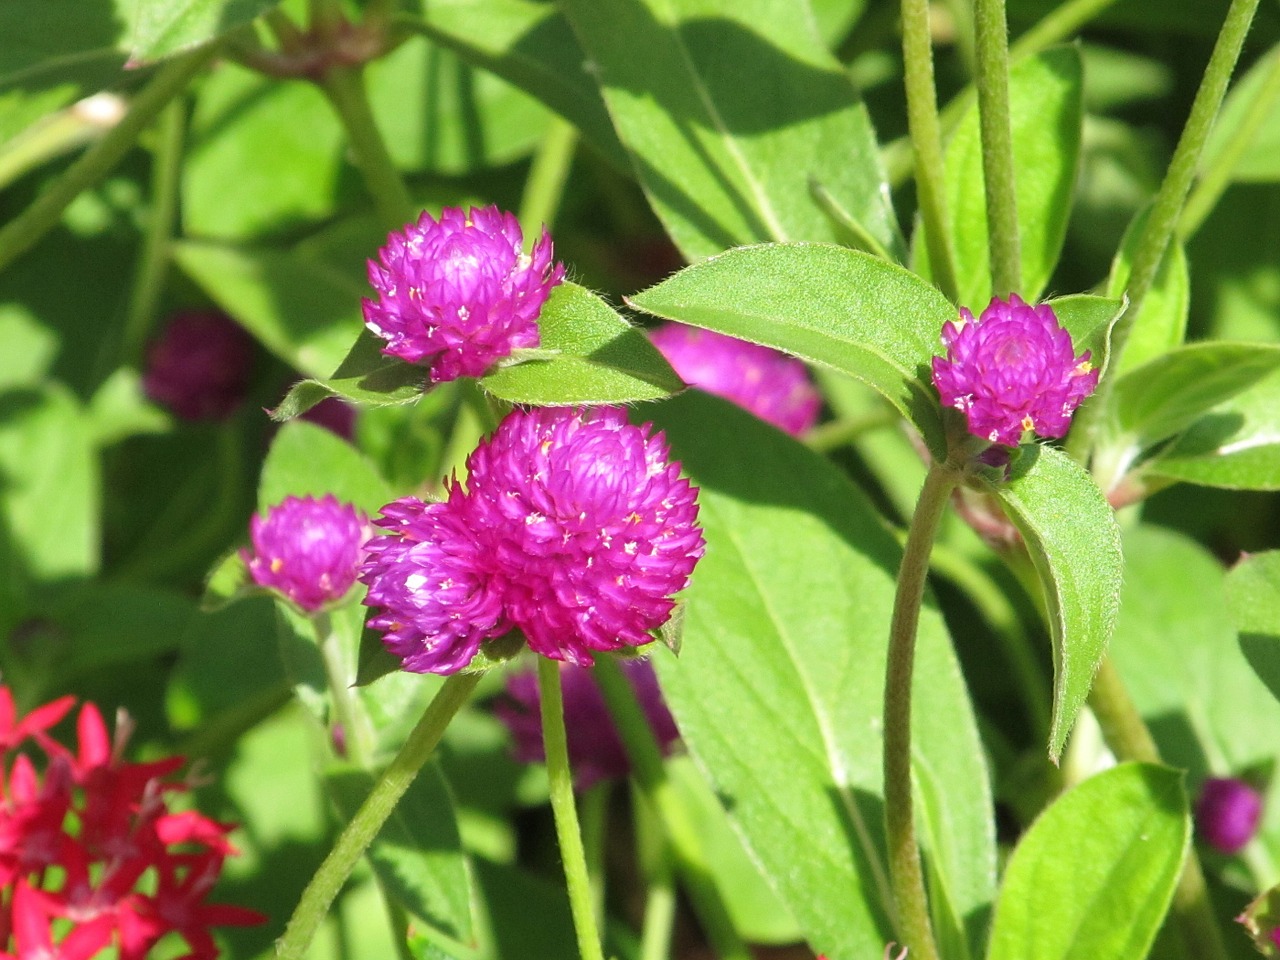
x=1228, y=813
x=199, y=366
x=575, y=528
x=1011, y=370
x=459, y=293
x=773, y=386
x=596, y=752
x=307, y=550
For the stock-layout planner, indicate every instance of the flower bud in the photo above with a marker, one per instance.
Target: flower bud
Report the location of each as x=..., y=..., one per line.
x=199, y=366
x=1228, y=813
x=307, y=549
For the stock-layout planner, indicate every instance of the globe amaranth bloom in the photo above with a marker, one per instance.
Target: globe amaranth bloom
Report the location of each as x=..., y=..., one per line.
x=596, y=752
x=307, y=549
x=459, y=293
x=1011, y=370
x=773, y=386
x=574, y=527
x=199, y=366
x=1227, y=813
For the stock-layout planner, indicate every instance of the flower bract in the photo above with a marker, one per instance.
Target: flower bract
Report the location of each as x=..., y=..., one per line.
x=307, y=549
x=1012, y=370
x=574, y=527
x=459, y=293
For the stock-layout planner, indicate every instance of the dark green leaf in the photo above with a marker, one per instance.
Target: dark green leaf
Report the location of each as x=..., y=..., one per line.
x=779, y=687
x=417, y=854
x=600, y=358
x=104, y=626
x=1071, y=534
x=1046, y=107
x=849, y=310
x=366, y=376
x=1093, y=877
x=730, y=108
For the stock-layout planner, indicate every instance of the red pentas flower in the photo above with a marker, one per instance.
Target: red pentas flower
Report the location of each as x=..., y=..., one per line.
x=459, y=293
x=773, y=386
x=307, y=549
x=574, y=527
x=91, y=857
x=1011, y=370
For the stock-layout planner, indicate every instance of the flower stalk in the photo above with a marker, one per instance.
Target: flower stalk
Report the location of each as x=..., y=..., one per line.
x=997, y=145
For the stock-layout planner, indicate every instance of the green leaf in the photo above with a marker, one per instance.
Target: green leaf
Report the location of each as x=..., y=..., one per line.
x=1161, y=325
x=120, y=409
x=302, y=311
x=849, y=310
x=530, y=45
x=729, y=120
x=306, y=459
x=1089, y=320
x=1046, y=109
x=601, y=358
x=1093, y=877
x=366, y=376
x=1260, y=162
x=1235, y=445
x=778, y=689
x=1165, y=395
x=104, y=626
x=417, y=854
x=1071, y=534
x=159, y=29
x=1253, y=592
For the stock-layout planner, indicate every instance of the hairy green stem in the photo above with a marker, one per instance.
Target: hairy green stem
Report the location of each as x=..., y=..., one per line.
x=344, y=86
x=373, y=813
x=347, y=713
x=544, y=188
x=998, y=174
x=153, y=263
x=1217, y=177
x=650, y=773
x=926, y=142
x=1129, y=739
x=595, y=816
x=62, y=132
x=26, y=229
x=568, y=833
x=905, y=870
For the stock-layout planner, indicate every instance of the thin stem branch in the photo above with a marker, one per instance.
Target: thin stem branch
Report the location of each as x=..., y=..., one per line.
x=1129, y=739
x=26, y=229
x=992, y=80
x=153, y=263
x=344, y=86
x=568, y=832
x=544, y=188
x=373, y=813
x=347, y=713
x=650, y=773
x=905, y=870
x=926, y=142
x=1217, y=177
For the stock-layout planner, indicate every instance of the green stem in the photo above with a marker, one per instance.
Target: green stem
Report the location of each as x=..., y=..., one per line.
x=544, y=188
x=926, y=141
x=595, y=815
x=344, y=86
x=153, y=265
x=70, y=129
x=992, y=81
x=659, y=916
x=1217, y=176
x=346, y=710
x=1129, y=739
x=686, y=844
x=837, y=433
x=566, y=816
x=373, y=813
x=24, y=230
x=905, y=870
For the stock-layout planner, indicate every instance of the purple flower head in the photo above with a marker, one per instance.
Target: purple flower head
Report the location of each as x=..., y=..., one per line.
x=199, y=366
x=309, y=550
x=460, y=293
x=1011, y=370
x=1227, y=813
x=773, y=386
x=596, y=752
x=574, y=528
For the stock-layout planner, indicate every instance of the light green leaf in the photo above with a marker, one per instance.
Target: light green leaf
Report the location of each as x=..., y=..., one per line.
x=730, y=109
x=1089, y=320
x=1046, y=109
x=366, y=376
x=302, y=311
x=1235, y=445
x=1093, y=877
x=305, y=459
x=1071, y=534
x=778, y=689
x=1253, y=592
x=1260, y=162
x=1161, y=325
x=849, y=310
x=601, y=358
